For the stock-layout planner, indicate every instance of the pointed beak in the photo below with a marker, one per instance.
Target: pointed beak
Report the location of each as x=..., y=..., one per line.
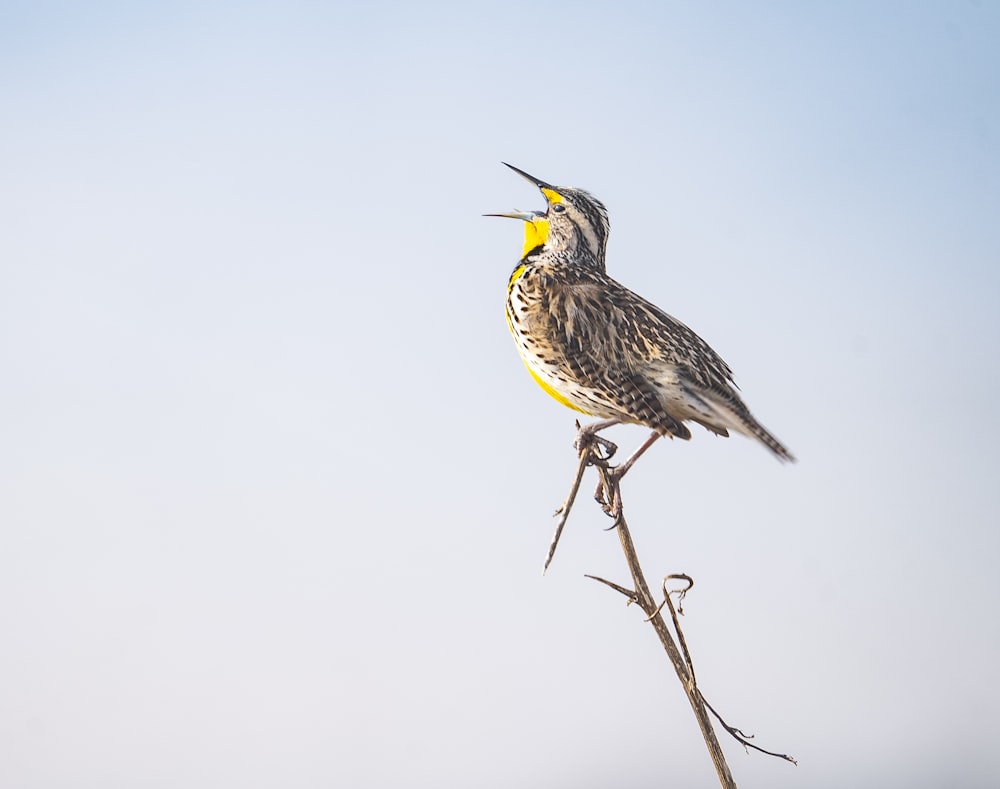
x=536, y=181
x=527, y=216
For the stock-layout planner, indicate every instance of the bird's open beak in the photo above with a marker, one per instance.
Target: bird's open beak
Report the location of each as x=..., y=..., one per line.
x=536, y=231
x=536, y=181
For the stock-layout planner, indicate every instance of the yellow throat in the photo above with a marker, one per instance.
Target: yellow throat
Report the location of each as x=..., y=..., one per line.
x=535, y=233
x=536, y=230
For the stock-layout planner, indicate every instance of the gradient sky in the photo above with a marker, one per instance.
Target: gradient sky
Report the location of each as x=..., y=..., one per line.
x=275, y=490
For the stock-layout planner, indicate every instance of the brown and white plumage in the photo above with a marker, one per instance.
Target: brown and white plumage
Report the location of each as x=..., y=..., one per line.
x=601, y=349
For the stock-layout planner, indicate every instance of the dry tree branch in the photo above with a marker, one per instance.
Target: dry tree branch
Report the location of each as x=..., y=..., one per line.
x=596, y=451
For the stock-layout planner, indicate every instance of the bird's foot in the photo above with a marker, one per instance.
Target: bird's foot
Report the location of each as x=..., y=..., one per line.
x=601, y=450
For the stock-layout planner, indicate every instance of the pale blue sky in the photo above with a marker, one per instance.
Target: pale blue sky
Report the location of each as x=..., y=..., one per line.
x=259, y=526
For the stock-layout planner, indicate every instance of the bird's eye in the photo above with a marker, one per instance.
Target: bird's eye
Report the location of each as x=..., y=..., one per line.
x=558, y=208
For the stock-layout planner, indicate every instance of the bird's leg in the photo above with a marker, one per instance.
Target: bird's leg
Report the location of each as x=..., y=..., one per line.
x=622, y=470
x=610, y=501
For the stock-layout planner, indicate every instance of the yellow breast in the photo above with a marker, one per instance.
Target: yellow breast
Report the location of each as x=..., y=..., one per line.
x=533, y=365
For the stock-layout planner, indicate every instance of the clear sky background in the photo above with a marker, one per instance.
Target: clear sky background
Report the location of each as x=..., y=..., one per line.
x=275, y=489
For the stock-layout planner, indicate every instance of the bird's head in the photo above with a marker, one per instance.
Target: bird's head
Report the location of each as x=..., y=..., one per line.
x=574, y=221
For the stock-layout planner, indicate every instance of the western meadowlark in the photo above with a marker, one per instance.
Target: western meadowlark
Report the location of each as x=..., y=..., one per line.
x=599, y=348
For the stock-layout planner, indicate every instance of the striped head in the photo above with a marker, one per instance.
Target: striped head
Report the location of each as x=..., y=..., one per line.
x=574, y=223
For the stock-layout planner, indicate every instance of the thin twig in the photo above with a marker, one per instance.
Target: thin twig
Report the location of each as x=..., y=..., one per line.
x=632, y=596
x=564, y=510
x=741, y=736
x=586, y=441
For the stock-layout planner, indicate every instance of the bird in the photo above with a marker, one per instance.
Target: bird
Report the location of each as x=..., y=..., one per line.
x=603, y=350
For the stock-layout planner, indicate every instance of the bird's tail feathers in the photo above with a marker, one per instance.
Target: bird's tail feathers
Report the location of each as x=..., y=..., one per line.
x=742, y=421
